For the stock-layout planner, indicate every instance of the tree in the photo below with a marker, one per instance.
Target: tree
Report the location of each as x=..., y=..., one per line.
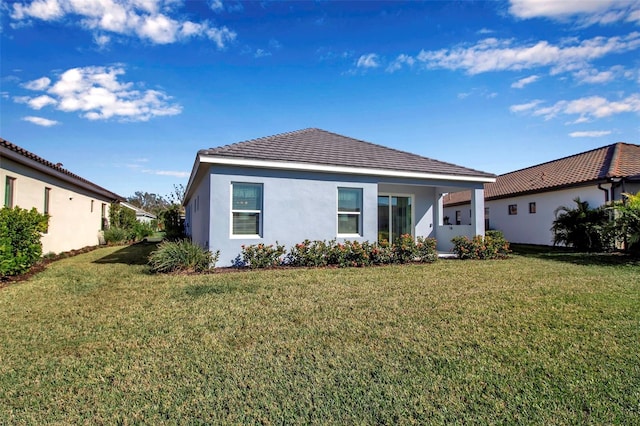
x=177, y=196
x=628, y=220
x=583, y=228
x=150, y=202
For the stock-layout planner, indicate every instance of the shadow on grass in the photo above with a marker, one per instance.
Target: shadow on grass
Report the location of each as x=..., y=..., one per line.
x=564, y=254
x=135, y=254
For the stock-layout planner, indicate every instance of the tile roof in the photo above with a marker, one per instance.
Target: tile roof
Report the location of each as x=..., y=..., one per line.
x=316, y=146
x=619, y=160
x=58, y=168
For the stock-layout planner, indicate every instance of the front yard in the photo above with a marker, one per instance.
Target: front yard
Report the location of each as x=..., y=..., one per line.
x=532, y=339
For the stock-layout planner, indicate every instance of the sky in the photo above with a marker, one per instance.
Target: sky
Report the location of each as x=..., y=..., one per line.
x=125, y=93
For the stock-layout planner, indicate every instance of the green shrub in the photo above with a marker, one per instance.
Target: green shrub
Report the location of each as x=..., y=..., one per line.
x=121, y=217
x=404, y=249
x=172, y=222
x=115, y=235
x=348, y=253
x=584, y=228
x=261, y=255
x=141, y=230
x=20, y=233
x=182, y=256
x=425, y=250
x=308, y=253
x=492, y=246
x=381, y=253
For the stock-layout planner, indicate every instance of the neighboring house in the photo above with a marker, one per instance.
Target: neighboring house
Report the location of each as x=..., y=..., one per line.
x=141, y=215
x=522, y=204
x=77, y=209
x=316, y=185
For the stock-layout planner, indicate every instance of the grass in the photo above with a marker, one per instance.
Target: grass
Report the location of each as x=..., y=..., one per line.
x=534, y=339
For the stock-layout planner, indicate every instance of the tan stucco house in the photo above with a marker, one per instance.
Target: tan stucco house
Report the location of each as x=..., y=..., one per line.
x=78, y=209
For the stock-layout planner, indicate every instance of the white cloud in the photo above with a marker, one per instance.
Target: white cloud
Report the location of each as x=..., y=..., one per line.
x=370, y=60
x=590, y=134
x=400, y=61
x=525, y=81
x=171, y=173
x=587, y=12
x=587, y=108
x=261, y=53
x=40, y=121
x=39, y=84
x=97, y=94
x=216, y=5
x=525, y=107
x=499, y=55
x=146, y=19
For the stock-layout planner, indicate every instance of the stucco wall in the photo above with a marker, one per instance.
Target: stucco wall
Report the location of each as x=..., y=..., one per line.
x=72, y=223
x=531, y=228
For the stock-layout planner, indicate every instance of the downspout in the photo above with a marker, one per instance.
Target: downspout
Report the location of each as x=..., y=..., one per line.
x=606, y=192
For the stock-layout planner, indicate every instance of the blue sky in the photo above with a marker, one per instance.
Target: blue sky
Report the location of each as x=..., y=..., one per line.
x=124, y=93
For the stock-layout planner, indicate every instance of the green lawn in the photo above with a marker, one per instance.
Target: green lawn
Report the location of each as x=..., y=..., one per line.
x=539, y=338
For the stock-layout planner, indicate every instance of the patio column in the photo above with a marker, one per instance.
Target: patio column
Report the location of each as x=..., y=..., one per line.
x=477, y=211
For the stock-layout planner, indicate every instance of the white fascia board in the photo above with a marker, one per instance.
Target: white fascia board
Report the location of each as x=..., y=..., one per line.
x=283, y=165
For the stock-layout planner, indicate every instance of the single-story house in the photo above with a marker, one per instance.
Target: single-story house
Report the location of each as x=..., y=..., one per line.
x=78, y=209
x=141, y=215
x=522, y=203
x=317, y=185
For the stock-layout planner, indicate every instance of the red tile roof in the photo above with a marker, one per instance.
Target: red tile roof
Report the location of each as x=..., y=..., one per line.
x=58, y=168
x=316, y=146
x=619, y=160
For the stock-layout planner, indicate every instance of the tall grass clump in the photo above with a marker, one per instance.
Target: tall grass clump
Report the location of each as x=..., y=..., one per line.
x=182, y=256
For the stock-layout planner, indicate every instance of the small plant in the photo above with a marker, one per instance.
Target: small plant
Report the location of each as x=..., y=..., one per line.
x=182, y=256
x=116, y=235
x=426, y=250
x=381, y=253
x=308, y=253
x=404, y=249
x=261, y=255
x=492, y=246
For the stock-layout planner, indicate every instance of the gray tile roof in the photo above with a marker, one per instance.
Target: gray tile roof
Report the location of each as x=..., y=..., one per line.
x=316, y=146
x=58, y=168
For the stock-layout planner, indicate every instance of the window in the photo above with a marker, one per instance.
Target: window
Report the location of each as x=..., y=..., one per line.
x=47, y=191
x=104, y=223
x=246, y=209
x=513, y=209
x=349, y=210
x=8, y=192
x=458, y=217
x=532, y=208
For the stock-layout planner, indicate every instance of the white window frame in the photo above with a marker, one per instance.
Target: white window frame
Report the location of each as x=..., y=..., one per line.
x=339, y=212
x=232, y=211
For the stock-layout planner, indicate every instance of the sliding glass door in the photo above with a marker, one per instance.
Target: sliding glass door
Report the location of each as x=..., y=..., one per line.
x=395, y=216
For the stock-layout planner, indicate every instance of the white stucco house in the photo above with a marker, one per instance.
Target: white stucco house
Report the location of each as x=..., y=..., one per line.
x=317, y=185
x=522, y=203
x=78, y=209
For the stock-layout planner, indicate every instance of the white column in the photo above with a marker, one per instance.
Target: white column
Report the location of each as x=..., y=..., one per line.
x=477, y=211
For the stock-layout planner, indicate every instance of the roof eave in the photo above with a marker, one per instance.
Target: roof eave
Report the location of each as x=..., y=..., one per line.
x=36, y=165
x=314, y=167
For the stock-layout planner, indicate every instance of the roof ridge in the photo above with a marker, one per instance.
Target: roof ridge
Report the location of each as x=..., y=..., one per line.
x=260, y=139
x=613, y=162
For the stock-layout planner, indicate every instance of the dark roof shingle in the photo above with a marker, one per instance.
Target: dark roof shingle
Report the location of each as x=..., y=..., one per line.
x=616, y=160
x=316, y=146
